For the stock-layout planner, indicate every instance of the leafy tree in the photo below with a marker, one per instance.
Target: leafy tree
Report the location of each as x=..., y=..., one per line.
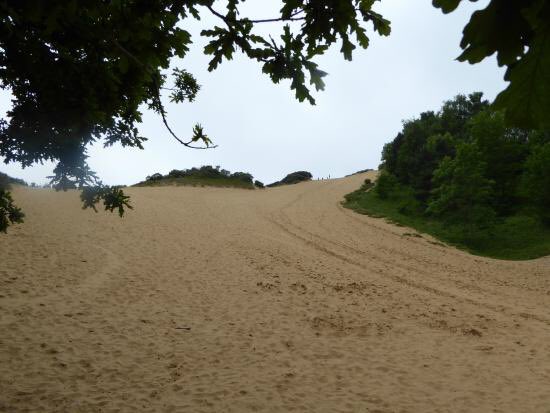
x=385, y=184
x=504, y=151
x=417, y=150
x=9, y=212
x=462, y=193
x=464, y=164
x=456, y=113
x=536, y=180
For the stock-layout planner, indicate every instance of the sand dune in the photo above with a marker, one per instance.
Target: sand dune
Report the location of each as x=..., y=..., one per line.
x=223, y=300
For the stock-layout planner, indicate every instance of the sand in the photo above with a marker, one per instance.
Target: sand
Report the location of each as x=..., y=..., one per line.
x=225, y=300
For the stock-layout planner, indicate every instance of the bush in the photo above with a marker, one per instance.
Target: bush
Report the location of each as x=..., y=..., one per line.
x=385, y=185
x=6, y=180
x=410, y=207
x=9, y=212
x=462, y=193
x=367, y=184
x=536, y=181
x=293, y=178
x=176, y=173
x=259, y=184
x=154, y=177
x=243, y=176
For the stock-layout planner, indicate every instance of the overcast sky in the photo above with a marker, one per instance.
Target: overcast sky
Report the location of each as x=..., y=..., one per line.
x=262, y=129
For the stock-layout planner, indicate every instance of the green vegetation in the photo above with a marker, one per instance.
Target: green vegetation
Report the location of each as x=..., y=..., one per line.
x=463, y=176
x=514, y=238
x=203, y=176
x=9, y=212
x=6, y=180
x=362, y=171
x=293, y=178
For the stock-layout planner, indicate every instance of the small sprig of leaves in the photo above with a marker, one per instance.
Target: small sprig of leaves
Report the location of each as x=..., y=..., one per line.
x=76, y=174
x=113, y=197
x=73, y=172
x=199, y=135
x=185, y=87
x=9, y=212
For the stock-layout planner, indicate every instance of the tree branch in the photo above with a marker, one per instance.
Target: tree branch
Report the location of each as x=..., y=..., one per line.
x=274, y=20
x=159, y=101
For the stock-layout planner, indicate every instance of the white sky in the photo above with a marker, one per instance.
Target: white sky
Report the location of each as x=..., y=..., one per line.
x=262, y=129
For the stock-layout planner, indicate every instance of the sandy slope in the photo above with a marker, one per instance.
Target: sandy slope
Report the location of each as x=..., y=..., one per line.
x=220, y=300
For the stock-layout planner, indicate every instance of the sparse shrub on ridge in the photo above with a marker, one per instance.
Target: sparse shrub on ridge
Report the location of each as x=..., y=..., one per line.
x=206, y=175
x=293, y=178
x=154, y=177
x=6, y=180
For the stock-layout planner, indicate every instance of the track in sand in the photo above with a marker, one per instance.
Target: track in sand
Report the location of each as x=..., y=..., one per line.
x=223, y=300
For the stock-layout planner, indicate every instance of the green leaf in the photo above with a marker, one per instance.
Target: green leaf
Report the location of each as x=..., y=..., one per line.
x=347, y=48
x=527, y=99
x=499, y=28
x=446, y=6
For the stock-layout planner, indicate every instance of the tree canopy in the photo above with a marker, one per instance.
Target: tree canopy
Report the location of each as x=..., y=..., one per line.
x=464, y=165
x=463, y=175
x=79, y=70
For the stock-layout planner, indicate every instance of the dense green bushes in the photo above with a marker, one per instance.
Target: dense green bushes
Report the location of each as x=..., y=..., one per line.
x=293, y=178
x=6, y=180
x=463, y=164
x=206, y=171
x=9, y=212
x=470, y=175
x=204, y=176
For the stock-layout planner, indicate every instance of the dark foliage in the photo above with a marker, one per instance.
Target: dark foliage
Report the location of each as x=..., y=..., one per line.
x=259, y=184
x=464, y=165
x=362, y=171
x=154, y=177
x=206, y=172
x=366, y=186
x=518, y=32
x=536, y=179
x=6, y=180
x=112, y=197
x=293, y=178
x=385, y=184
x=9, y=212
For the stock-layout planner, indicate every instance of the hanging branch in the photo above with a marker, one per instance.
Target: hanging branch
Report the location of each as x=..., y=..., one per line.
x=160, y=107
